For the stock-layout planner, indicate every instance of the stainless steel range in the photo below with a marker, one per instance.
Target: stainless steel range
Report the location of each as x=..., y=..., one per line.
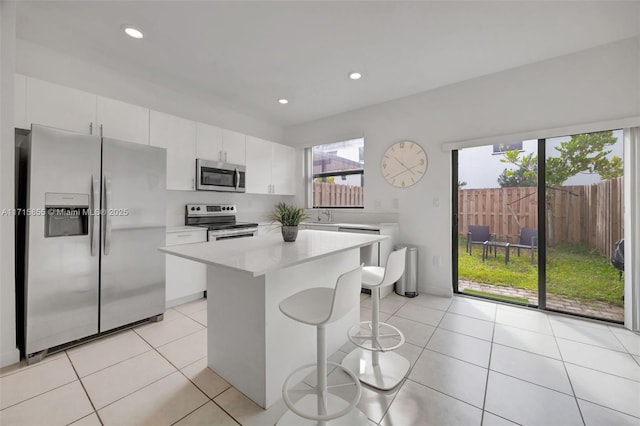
x=220, y=219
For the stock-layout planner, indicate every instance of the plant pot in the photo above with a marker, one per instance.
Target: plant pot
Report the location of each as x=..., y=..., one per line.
x=289, y=233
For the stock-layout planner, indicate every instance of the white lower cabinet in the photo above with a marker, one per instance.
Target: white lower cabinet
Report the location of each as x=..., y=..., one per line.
x=184, y=278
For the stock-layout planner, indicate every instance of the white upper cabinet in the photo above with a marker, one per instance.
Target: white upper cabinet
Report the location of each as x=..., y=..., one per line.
x=120, y=120
x=178, y=135
x=20, y=102
x=218, y=144
x=282, y=169
x=59, y=106
x=270, y=167
x=209, y=142
x=234, y=147
x=258, y=178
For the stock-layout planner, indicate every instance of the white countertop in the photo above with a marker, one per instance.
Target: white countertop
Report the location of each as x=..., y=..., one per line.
x=258, y=255
x=171, y=229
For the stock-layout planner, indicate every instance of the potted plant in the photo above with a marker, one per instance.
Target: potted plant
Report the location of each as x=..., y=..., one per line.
x=289, y=216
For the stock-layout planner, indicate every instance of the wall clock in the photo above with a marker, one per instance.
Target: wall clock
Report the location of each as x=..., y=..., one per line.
x=404, y=164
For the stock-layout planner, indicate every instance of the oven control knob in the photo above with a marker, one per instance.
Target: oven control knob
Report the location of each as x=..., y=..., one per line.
x=193, y=208
x=197, y=208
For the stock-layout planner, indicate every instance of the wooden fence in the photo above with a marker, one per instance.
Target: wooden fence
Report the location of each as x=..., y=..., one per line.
x=591, y=215
x=327, y=194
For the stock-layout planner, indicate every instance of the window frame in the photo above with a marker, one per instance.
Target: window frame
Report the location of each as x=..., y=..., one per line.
x=310, y=176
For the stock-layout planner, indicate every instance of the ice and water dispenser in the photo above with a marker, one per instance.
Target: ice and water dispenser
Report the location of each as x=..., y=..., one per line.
x=66, y=214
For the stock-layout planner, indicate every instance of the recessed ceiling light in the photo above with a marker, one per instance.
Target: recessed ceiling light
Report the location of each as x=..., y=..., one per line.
x=355, y=76
x=132, y=31
x=283, y=101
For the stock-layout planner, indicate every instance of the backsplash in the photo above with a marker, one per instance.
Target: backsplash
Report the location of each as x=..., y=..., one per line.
x=251, y=207
x=353, y=216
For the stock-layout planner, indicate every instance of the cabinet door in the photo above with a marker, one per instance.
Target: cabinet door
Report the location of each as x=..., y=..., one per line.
x=123, y=121
x=59, y=106
x=258, y=179
x=184, y=277
x=209, y=142
x=20, y=101
x=234, y=145
x=178, y=136
x=282, y=169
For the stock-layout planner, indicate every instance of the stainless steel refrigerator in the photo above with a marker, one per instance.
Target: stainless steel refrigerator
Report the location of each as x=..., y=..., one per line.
x=94, y=217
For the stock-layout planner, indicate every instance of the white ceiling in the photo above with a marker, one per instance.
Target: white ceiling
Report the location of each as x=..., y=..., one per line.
x=248, y=54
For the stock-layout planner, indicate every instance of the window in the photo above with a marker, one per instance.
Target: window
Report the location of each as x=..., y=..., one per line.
x=337, y=174
x=504, y=147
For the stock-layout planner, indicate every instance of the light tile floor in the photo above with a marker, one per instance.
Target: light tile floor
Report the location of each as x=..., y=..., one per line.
x=473, y=362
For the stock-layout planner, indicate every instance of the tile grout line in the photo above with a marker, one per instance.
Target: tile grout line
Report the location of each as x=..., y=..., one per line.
x=566, y=371
x=95, y=410
x=400, y=385
x=171, y=341
x=190, y=381
x=41, y=393
x=486, y=383
x=191, y=412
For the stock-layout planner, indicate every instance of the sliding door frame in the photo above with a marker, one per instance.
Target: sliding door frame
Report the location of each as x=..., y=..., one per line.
x=542, y=224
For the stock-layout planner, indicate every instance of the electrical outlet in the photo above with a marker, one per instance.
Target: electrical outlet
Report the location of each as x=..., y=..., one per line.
x=436, y=202
x=436, y=260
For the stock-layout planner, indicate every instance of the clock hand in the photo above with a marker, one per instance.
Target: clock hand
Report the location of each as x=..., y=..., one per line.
x=404, y=171
x=402, y=164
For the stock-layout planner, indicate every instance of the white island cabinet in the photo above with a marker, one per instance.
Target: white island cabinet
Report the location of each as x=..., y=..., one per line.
x=250, y=343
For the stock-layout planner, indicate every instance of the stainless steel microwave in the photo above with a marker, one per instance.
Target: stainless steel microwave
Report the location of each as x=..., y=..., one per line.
x=219, y=176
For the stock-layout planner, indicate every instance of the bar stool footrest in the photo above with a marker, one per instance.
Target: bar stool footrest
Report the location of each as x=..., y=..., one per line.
x=368, y=341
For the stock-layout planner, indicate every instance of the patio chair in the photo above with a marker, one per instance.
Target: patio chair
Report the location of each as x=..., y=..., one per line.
x=528, y=239
x=478, y=234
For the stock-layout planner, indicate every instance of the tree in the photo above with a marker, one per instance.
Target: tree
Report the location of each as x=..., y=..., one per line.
x=584, y=153
x=525, y=175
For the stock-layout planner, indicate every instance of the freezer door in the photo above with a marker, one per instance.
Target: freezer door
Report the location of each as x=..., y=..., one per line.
x=61, y=294
x=132, y=282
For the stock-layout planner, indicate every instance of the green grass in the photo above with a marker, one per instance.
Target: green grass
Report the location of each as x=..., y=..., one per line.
x=496, y=296
x=572, y=270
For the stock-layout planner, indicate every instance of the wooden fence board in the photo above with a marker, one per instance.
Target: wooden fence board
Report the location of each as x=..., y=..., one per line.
x=591, y=215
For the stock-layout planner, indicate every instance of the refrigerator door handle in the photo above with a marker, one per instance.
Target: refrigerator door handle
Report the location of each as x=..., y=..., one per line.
x=94, y=211
x=107, y=216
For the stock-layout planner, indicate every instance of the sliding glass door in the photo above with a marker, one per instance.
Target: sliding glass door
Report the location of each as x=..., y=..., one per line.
x=537, y=222
x=584, y=219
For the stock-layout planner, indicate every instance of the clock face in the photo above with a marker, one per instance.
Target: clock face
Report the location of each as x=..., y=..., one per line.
x=404, y=164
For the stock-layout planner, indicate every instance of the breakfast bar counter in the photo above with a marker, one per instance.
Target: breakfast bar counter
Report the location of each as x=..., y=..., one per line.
x=250, y=343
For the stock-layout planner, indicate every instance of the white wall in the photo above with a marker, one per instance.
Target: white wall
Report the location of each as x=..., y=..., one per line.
x=8, y=351
x=590, y=86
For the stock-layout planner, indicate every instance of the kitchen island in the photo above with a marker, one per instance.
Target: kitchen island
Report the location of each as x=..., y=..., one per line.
x=250, y=343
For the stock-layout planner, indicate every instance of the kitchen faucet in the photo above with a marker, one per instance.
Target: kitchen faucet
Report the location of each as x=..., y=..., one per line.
x=325, y=212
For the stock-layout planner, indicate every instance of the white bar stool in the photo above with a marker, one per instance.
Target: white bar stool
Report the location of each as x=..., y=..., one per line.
x=372, y=360
x=318, y=307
